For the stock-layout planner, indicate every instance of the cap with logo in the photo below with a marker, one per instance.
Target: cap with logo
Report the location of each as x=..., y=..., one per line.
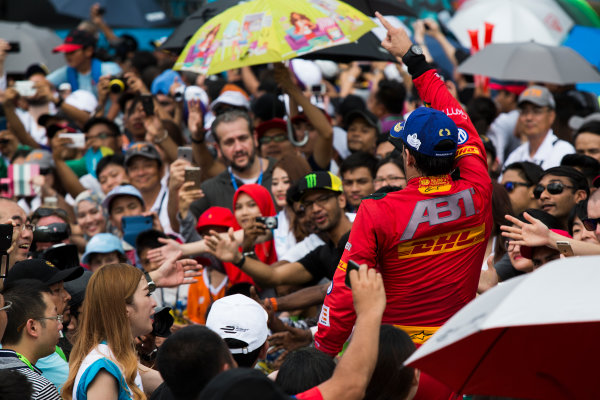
x=424, y=130
x=102, y=243
x=239, y=317
x=42, y=270
x=215, y=216
x=232, y=95
x=142, y=149
x=43, y=158
x=319, y=180
x=76, y=39
x=538, y=95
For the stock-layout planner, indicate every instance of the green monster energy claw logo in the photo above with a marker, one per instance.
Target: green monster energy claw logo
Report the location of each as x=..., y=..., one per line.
x=311, y=180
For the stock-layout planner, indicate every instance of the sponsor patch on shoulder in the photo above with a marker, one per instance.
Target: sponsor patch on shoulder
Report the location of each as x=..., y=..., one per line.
x=463, y=136
x=348, y=246
x=463, y=151
x=324, y=317
x=342, y=265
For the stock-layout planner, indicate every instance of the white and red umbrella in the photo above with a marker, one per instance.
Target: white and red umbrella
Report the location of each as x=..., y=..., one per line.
x=535, y=336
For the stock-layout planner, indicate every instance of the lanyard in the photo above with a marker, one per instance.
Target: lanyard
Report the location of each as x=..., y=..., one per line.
x=25, y=360
x=232, y=177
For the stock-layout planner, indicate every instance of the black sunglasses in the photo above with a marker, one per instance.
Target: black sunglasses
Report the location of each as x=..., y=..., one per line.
x=552, y=188
x=510, y=186
x=590, y=224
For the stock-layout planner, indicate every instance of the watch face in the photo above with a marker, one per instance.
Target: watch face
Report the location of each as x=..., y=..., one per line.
x=416, y=49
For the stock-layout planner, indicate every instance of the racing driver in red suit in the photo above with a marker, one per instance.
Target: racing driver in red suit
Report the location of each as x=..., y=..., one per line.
x=429, y=239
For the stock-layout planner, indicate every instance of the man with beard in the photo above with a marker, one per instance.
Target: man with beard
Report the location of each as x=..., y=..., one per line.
x=237, y=146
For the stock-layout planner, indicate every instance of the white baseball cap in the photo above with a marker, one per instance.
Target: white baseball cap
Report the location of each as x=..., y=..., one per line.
x=239, y=317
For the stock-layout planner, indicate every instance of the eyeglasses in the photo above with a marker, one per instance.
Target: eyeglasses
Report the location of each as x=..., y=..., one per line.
x=25, y=227
x=7, y=305
x=101, y=135
x=274, y=139
x=552, y=188
x=58, y=317
x=320, y=201
x=511, y=186
x=391, y=180
x=533, y=110
x=590, y=224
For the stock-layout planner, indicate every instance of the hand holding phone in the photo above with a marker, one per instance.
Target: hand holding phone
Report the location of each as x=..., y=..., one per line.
x=185, y=153
x=148, y=104
x=77, y=139
x=134, y=225
x=193, y=174
x=564, y=247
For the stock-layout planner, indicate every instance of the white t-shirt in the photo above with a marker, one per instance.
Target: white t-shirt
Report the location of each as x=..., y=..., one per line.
x=548, y=155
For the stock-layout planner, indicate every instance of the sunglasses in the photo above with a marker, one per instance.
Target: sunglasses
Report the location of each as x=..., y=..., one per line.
x=275, y=139
x=590, y=224
x=552, y=188
x=511, y=186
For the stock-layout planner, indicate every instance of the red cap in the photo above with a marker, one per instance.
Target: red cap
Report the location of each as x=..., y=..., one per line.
x=271, y=124
x=215, y=216
x=77, y=39
x=526, y=250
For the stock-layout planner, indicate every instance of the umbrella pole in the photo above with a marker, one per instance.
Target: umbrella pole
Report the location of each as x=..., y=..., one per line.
x=481, y=360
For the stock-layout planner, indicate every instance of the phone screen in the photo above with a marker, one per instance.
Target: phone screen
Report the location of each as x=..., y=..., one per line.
x=133, y=226
x=351, y=265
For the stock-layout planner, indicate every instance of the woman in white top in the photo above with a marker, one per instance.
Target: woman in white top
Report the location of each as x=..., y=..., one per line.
x=117, y=308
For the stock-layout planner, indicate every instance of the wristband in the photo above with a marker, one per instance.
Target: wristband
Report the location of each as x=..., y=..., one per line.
x=196, y=141
x=240, y=263
x=59, y=102
x=162, y=139
x=273, y=302
x=249, y=254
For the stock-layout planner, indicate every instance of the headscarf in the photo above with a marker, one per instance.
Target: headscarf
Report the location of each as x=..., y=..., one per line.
x=265, y=252
x=93, y=198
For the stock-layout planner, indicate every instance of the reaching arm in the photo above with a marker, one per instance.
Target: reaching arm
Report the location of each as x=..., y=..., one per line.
x=14, y=123
x=68, y=178
x=353, y=373
x=202, y=155
x=323, y=149
x=310, y=296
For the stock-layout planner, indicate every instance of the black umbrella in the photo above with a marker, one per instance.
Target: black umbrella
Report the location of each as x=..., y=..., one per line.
x=366, y=48
x=385, y=7
x=182, y=34
x=130, y=13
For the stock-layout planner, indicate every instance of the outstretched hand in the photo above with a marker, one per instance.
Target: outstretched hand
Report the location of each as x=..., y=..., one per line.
x=161, y=254
x=532, y=234
x=175, y=272
x=224, y=247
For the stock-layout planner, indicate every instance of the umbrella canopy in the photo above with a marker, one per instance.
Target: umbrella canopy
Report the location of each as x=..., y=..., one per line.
x=366, y=48
x=130, y=13
x=535, y=336
x=182, y=34
x=36, y=46
x=385, y=7
x=581, y=12
x=264, y=31
x=530, y=62
x=514, y=21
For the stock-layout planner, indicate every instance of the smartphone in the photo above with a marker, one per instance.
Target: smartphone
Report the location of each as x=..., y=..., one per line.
x=270, y=222
x=193, y=174
x=185, y=153
x=25, y=88
x=319, y=90
x=565, y=248
x=6, y=233
x=50, y=202
x=148, y=104
x=15, y=47
x=78, y=139
x=351, y=265
x=133, y=226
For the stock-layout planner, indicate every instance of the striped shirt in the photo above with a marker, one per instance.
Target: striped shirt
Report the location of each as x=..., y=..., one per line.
x=43, y=389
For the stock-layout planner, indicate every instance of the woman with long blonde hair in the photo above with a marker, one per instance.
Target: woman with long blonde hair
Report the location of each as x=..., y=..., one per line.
x=117, y=308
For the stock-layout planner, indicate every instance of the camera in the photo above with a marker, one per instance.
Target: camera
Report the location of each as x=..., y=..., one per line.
x=53, y=233
x=163, y=321
x=117, y=84
x=62, y=255
x=6, y=232
x=270, y=222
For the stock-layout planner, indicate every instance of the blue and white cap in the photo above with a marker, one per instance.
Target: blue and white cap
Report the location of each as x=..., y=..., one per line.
x=423, y=130
x=102, y=243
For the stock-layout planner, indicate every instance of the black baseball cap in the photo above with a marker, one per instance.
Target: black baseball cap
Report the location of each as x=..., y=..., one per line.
x=368, y=116
x=319, y=180
x=41, y=270
x=241, y=383
x=142, y=149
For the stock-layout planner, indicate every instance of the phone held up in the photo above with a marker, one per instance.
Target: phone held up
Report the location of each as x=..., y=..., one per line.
x=351, y=265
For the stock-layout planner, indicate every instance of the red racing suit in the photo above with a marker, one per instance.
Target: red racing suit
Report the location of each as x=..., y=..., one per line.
x=427, y=240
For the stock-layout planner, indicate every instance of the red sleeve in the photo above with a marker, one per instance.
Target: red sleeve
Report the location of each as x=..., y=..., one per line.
x=310, y=394
x=337, y=315
x=470, y=154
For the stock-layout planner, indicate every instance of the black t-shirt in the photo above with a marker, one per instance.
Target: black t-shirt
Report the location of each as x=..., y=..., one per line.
x=322, y=261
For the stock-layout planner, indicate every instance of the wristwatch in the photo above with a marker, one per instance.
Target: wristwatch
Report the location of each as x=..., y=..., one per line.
x=151, y=284
x=415, y=50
